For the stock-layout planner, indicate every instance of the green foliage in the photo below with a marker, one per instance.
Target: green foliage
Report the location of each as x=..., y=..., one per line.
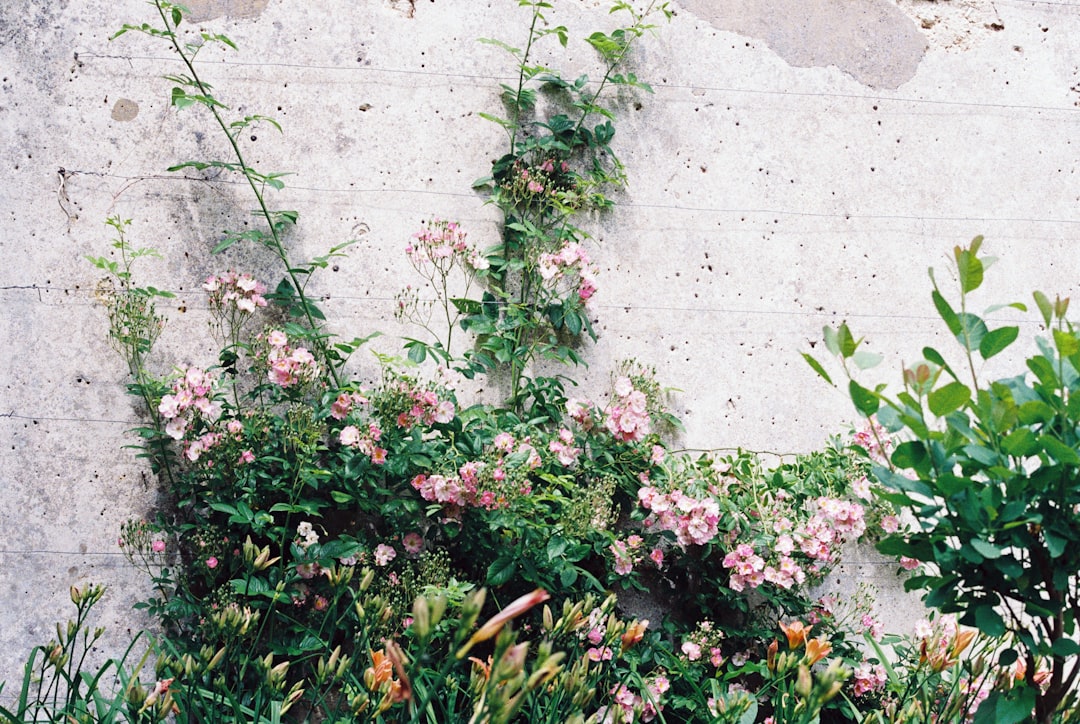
x=991, y=474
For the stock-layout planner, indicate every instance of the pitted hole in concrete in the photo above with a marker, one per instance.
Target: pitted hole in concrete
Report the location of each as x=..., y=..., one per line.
x=125, y=110
x=202, y=10
x=873, y=41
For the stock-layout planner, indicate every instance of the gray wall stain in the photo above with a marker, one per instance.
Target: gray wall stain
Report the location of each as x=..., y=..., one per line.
x=125, y=110
x=872, y=40
x=202, y=10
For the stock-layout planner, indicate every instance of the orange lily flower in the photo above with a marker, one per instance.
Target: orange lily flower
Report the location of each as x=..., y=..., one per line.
x=796, y=633
x=816, y=650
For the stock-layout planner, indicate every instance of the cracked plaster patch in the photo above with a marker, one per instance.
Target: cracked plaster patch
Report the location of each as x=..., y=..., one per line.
x=955, y=24
x=874, y=41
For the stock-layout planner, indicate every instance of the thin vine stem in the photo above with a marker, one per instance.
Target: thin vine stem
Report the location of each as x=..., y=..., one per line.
x=277, y=246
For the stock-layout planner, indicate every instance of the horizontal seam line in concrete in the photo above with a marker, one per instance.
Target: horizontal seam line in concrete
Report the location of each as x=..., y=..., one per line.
x=617, y=306
x=662, y=86
x=632, y=205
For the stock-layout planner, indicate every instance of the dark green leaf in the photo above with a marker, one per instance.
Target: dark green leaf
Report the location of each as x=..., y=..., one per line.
x=1065, y=647
x=501, y=570
x=989, y=621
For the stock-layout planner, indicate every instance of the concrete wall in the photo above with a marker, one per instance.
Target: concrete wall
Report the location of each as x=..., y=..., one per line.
x=802, y=162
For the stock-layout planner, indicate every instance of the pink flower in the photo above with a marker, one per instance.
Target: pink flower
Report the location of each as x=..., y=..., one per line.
x=158, y=546
x=909, y=564
x=211, y=562
x=247, y=457
x=413, y=543
x=603, y=654
x=890, y=524
x=692, y=650
x=657, y=557
x=384, y=554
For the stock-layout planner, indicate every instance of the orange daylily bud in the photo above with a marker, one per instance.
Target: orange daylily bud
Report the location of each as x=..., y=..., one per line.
x=635, y=631
x=496, y=622
x=961, y=641
x=770, y=657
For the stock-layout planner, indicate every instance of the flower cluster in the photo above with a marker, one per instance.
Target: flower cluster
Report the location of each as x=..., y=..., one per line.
x=563, y=447
x=289, y=366
x=875, y=440
x=693, y=520
x=232, y=290
x=834, y=522
x=345, y=403
x=366, y=442
x=490, y=483
x=569, y=270
x=307, y=536
x=627, y=417
x=548, y=180
x=630, y=552
x=404, y=402
x=869, y=678
x=442, y=244
x=192, y=398
x=703, y=644
x=629, y=706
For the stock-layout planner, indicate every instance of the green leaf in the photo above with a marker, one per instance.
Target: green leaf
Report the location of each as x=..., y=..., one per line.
x=932, y=355
x=986, y=549
x=177, y=16
x=816, y=366
x=1055, y=544
x=1020, y=443
x=911, y=454
x=1058, y=450
x=848, y=344
x=989, y=621
x=969, y=267
x=1065, y=647
x=997, y=340
x=947, y=398
x=866, y=360
x=180, y=99
x=501, y=570
x=1045, y=307
x=972, y=331
x=866, y=402
x=1066, y=342
x=946, y=312
x=832, y=340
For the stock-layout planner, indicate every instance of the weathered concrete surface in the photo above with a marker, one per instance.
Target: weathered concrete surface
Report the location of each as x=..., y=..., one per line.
x=874, y=41
x=766, y=200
